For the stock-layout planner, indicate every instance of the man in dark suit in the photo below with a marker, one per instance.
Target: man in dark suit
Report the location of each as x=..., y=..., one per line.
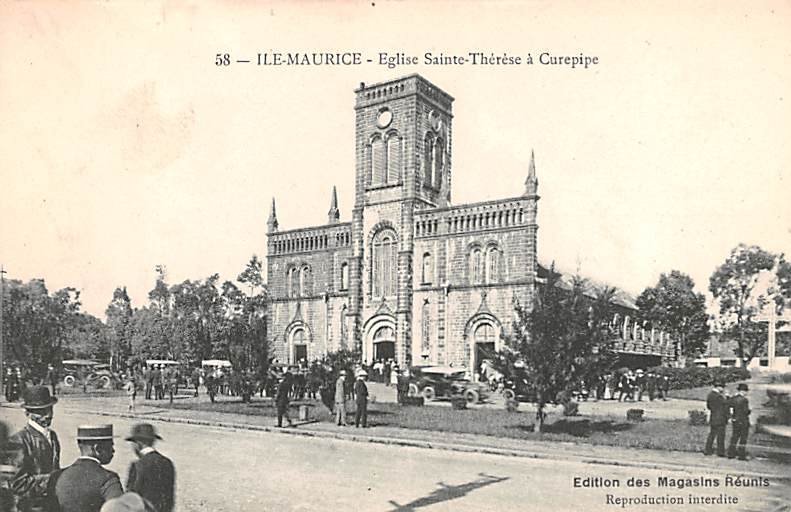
x=718, y=405
x=281, y=400
x=38, y=450
x=361, y=399
x=741, y=423
x=86, y=485
x=153, y=476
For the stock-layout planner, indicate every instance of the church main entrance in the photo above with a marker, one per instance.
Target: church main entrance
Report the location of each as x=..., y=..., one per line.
x=384, y=343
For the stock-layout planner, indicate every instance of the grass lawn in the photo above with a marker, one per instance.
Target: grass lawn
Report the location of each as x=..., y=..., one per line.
x=600, y=430
x=699, y=393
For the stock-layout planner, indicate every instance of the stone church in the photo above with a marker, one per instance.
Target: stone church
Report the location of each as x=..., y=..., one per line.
x=412, y=277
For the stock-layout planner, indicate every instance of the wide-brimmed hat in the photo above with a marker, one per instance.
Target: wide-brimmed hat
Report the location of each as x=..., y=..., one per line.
x=95, y=433
x=742, y=387
x=343, y=372
x=127, y=502
x=144, y=431
x=362, y=373
x=38, y=397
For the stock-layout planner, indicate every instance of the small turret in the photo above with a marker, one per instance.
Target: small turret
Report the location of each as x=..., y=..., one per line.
x=272, y=222
x=334, y=215
x=531, y=183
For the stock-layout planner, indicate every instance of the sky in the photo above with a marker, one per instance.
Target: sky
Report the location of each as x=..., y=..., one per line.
x=123, y=146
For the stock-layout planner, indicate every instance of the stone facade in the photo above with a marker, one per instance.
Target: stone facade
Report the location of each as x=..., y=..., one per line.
x=411, y=277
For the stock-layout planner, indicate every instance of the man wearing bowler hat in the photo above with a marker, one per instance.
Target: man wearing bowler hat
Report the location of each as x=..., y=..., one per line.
x=718, y=419
x=152, y=476
x=86, y=485
x=741, y=423
x=38, y=452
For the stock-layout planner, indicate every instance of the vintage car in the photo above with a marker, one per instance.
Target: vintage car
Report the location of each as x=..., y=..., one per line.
x=432, y=382
x=96, y=374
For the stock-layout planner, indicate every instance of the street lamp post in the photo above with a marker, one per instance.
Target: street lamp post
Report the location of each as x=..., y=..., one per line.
x=2, y=344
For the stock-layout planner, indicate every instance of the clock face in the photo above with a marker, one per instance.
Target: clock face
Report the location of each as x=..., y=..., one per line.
x=434, y=119
x=385, y=118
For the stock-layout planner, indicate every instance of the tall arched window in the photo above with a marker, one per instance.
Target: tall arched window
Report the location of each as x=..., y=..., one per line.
x=492, y=265
x=426, y=273
x=378, y=161
x=344, y=276
x=484, y=333
x=292, y=282
x=439, y=163
x=393, y=158
x=425, y=344
x=383, y=259
x=428, y=161
x=305, y=282
x=476, y=266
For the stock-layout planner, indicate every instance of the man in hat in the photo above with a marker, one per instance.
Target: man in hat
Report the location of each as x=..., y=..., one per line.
x=281, y=399
x=38, y=450
x=340, y=399
x=86, y=485
x=741, y=423
x=128, y=502
x=718, y=419
x=152, y=476
x=361, y=399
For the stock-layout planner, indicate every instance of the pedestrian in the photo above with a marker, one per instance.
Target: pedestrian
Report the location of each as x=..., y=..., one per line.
x=7, y=455
x=52, y=379
x=340, y=399
x=196, y=380
x=394, y=371
x=38, y=450
x=86, y=485
x=172, y=382
x=740, y=422
x=131, y=392
x=718, y=405
x=639, y=384
x=650, y=383
x=156, y=379
x=148, y=377
x=152, y=476
x=361, y=399
x=664, y=386
x=387, y=370
x=281, y=400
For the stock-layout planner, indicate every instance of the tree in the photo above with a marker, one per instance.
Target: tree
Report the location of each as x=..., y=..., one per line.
x=119, y=318
x=561, y=340
x=735, y=287
x=251, y=276
x=674, y=305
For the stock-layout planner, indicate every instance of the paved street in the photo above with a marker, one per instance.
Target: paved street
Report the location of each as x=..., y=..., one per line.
x=226, y=470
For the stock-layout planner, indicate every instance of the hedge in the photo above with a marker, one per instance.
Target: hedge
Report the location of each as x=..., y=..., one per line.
x=696, y=376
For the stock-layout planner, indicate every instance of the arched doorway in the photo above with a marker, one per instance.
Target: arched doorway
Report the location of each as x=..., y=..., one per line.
x=384, y=343
x=299, y=345
x=484, y=345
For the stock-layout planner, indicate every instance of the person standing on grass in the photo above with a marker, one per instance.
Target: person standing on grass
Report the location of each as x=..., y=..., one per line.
x=718, y=405
x=340, y=399
x=361, y=399
x=196, y=380
x=741, y=423
x=281, y=400
x=131, y=392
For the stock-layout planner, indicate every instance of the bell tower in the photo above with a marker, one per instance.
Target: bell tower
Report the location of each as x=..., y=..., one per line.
x=403, y=140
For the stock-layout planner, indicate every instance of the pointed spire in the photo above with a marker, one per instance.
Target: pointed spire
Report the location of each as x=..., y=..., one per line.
x=531, y=183
x=334, y=215
x=272, y=222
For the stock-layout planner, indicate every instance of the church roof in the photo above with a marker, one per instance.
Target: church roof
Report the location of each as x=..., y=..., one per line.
x=591, y=289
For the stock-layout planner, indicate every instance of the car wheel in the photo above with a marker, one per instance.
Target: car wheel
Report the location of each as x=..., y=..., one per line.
x=509, y=394
x=69, y=380
x=104, y=382
x=472, y=396
x=429, y=393
x=413, y=390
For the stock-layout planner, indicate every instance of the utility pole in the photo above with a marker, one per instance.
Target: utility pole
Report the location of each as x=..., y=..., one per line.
x=2, y=343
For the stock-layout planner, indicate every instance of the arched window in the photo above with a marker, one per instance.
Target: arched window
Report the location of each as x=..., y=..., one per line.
x=305, y=282
x=292, y=282
x=425, y=344
x=476, y=266
x=425, y=276
x=439, y=163
x=428, y=164
x=393, y=158
x=378, y=161
x=383, y=258
x=484, y=333
x=492, y=265
x=344, y=276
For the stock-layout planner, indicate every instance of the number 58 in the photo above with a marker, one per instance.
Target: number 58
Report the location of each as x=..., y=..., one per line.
x=222, y=59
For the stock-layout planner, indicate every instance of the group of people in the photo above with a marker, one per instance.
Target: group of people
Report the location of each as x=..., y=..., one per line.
x=723, y=407
x=386, y=371
x=36, y=482
x=160, y=379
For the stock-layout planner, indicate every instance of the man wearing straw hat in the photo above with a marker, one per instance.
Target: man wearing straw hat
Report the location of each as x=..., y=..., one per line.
x=38, y=452
x=86, y=485
x=153, y=475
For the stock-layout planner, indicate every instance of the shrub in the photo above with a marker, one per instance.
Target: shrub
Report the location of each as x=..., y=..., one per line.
x=780, y=378
x=635, y=414
x=571, y=409
x=697, y=417
x=413, y=400
x=511, y=405
x=458, y=403
x=695, y=376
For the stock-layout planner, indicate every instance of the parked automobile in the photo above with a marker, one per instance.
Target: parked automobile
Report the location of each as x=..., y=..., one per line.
x=95, y=373
x=432, y=382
